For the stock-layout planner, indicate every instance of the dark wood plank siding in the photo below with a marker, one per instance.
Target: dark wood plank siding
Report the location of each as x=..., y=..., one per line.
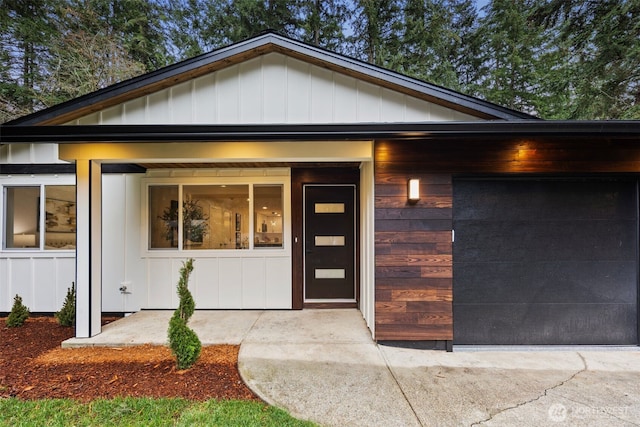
x=413, y=247
x=414, y=270
x=503, y=155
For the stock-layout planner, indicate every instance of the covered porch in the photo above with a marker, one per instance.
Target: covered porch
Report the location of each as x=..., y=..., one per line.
x=234, y=327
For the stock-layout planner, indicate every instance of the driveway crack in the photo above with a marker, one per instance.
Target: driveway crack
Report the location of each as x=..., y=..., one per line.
x=395, y=379
x=546, y=391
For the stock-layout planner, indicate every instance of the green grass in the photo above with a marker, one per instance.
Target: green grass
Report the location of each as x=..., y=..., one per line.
x=142, y=412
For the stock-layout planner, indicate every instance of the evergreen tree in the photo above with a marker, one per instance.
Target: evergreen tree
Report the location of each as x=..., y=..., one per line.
x=25, y=33
x=511, y=49
x=561, y=59
x=248, y=18
x=188, y=27
x=322, y=23
x=600, y=56
x=67, y=314
x=87, y=55
x=376, y=28
x=200, y=26
x=466, y=44
x=19, y=313
x=435, y=41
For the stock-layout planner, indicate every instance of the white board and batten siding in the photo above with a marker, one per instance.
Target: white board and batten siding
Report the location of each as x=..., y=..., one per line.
x=274, y=89
x=40, y=276
x=29, y=154
x=222, y=279
x=40, y=279
x=243, y=282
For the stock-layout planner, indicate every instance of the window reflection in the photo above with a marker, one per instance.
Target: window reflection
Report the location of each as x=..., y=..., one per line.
x=215, y=216
x=267, y=216
x=21, y=223
x=163, y=217
x=26, y=217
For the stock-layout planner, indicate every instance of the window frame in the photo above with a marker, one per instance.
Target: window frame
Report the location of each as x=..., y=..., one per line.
x=254, y=178
x=40, y=182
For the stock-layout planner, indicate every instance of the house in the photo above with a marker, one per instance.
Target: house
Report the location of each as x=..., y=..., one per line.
x=285, y=171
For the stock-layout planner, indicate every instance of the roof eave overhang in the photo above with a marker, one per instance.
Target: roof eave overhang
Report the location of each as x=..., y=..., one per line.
x=481, y=131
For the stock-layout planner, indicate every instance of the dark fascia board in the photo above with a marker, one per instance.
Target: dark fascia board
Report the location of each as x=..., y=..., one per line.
x=37, y=168
x=262, y=44
x=481, y=130
x=64, y=168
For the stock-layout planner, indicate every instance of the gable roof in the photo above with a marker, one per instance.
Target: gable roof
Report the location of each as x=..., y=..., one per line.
x=252, y=48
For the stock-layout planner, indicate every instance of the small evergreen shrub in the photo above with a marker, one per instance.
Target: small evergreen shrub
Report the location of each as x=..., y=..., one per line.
x=19, y=313
x=185, y=344
x=187, y=305
x=67, y=314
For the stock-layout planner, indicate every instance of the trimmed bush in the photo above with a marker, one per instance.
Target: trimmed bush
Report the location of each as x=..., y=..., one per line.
x=185, y=344
x=187, y=305
x=67, y=314
x=19, y=313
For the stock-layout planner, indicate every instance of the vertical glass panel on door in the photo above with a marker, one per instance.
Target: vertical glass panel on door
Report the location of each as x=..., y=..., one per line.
x=163, y=217
x=21, y=222
x=267, y=205
x=215, y=217
x=60, y=217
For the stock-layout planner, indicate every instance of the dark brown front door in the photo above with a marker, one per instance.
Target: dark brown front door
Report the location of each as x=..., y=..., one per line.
x=329, y=243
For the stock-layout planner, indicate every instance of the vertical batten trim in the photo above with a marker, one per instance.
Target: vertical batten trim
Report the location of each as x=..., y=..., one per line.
x=216, y=99
x=333, y=96
x=238, y=118
x=192, y=95
x=380, y=102
x=262, y=95
x=404, y=107
x=357, y=95
x=310, y=118
x=172, y=117
x=285, y=65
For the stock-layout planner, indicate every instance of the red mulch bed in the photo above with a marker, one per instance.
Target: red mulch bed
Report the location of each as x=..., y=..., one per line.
x=34, y=366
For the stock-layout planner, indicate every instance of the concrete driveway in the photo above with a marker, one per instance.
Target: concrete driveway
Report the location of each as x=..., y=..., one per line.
x=322, y=365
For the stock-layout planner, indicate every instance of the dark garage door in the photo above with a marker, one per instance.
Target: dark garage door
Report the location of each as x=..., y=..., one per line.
x=545, y=262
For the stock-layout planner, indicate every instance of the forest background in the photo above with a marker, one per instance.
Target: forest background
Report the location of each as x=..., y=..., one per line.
x=556, y=59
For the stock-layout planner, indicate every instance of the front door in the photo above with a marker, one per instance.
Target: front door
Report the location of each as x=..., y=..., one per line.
x=329, y=243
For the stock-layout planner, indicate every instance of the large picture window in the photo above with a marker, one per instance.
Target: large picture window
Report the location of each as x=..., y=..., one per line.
x=40, y=217
x=215, y=216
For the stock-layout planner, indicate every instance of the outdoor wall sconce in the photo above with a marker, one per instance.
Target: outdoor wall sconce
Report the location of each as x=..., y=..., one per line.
x=413, y=190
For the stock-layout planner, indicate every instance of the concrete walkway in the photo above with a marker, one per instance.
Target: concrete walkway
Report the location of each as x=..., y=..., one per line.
x=322, y=365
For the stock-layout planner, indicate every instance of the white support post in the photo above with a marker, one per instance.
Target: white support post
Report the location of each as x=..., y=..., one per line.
x=88, y=248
